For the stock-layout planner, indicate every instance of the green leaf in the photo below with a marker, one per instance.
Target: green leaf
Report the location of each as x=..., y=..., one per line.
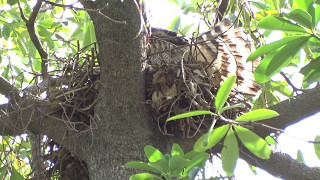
x=6, y=30
x=240, y=105
x=199, y=160
x=152, y=153
x=311, y=71
x=15, y=175
x=174, y=1
x=177, y=165
x=176, y=150
x=12, y=2
x=162, y=164
x=189, y=114
x=281, y=87
x=253, y=142
x=144, y=176
x=278, y=59
x=257, y=115
x=317, y=15
x=46, y=23
x=215, y=136
x=270, y=140
x=308, y=6
x=141, y=165
x=317, y=146
x=36, y=64
x=3, y=170
x=223, y=92
x=285, y=55
x=175, y=24
x=277, y=23
x=300, y=156
x=265, y=49
x=302, y=17
x=229, y=153
x=314, y=44
x=186, y=29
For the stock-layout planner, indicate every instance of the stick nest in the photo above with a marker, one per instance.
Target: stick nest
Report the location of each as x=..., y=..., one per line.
x=175, y=88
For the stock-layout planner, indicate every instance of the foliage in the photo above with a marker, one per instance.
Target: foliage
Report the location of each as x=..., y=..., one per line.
x=176, y=165
x=65, y=33
x=231, y=131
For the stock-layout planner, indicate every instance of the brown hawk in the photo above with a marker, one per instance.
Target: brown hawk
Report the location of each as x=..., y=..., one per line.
x=224, y=49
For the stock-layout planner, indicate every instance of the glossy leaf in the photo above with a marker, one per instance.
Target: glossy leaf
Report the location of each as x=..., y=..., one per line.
x=15, y=175
x=314, y=44
x=141, y=165
x=177, y=164
x=36, y=64
x=12, y=2
x=281, y=87
x=215, y=136
x=175, y=24
x=277, y=23
x=240, y=105
x=229, y=153
x=176, y=150
x=300, y=156
x=189, y=114
x=257, y=115
x=253, y=142
x=302, y=17
x=152, y=153
x=144, y=176
x=223, y=92
x=306, y=5
x=162, y=164
x=265, y=49
x=317, y=146
x=3, y=170
x=311, y=71
x=198, y=160
x=270, y=140
x=317, y=15
x=277, y=59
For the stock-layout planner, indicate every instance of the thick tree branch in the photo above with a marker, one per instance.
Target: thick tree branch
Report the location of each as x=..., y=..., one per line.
x=8, y=90
x=30, y=116
x=283, y=166
x=292, y=111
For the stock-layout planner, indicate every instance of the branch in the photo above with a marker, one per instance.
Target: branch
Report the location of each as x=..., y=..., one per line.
x=8, y=90
x=283, y=166
x=34, y=38
x=292, y=111
x=30, y=116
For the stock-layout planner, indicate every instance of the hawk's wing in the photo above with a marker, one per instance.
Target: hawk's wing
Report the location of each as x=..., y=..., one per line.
x=223, y=48
x=228, y=49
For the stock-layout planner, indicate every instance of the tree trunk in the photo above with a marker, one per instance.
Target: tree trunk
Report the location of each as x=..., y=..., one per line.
x=123, y=124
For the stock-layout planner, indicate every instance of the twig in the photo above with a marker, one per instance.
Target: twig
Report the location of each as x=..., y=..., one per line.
x=290, y=83
x=34, y=38
x=91, y=10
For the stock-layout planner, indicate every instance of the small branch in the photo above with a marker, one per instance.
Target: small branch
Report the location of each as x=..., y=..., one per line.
x=290, y=83
x=34, y=38
x=92, y=10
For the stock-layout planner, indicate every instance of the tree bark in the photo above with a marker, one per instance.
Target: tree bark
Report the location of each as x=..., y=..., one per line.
x=124, y=126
